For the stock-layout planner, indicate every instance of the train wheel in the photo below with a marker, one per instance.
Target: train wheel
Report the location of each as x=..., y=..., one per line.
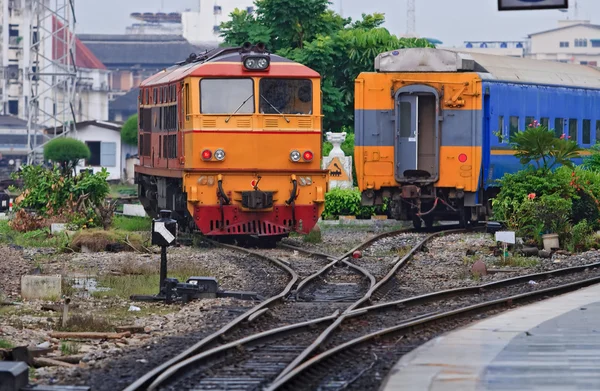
x=428, y=221
x=417, y=223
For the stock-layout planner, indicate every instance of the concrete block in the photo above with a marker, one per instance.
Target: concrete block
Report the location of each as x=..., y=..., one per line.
x=134, y=210
x=56, y=228
x=13, y=375
x=41, y=287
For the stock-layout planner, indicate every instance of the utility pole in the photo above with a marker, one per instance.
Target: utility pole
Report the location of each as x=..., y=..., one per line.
x=411, y=18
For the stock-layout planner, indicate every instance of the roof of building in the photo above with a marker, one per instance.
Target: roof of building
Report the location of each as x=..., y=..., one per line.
x=594, y=26
x=126, y=102
x=101, y=124
x=84, y=58
x=489, y=66
x=156, y=51
x=9, y=121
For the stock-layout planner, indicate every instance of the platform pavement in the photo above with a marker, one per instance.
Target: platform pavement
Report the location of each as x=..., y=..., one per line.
x=549, y=345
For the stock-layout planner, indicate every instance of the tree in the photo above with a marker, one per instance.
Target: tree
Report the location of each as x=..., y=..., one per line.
x=308, y=32
x=129, y=131
x=67, y=152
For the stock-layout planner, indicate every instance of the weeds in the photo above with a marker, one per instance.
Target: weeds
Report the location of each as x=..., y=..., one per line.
x=314, y=236
x=101, y=240
x=41, y=238
x=4, y=344
x=69, y=348
x=83, y=323
x=519, y=261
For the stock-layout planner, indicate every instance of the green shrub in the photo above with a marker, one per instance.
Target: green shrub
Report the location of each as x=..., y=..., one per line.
x=592, y=162
x=346, y=202
x=67, y=152
x=581, y=237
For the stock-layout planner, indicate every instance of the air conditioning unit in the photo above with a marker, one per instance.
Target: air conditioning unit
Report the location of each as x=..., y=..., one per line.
x=11, y=72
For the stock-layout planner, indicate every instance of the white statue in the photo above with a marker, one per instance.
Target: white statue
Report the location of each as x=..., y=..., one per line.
x=336, y=139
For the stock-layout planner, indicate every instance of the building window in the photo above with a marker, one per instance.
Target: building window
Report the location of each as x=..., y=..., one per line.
x=13, y=107
x=500, y=128
x=216, y=29
x=529, y=121
x=595, y=43
x=217, y=10
x=573, y=129
x=564, y=44
x=544, y=122
x=583, y=62
x=581, y=43
x=593, y=63
x=102, y=154
x=587, y=132
x=514, y=126
x=558, y=127
x=469, y=45
x=598, y=131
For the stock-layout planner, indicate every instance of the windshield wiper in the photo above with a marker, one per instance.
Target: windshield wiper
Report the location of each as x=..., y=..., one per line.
x=238, y=109
x=275, y=108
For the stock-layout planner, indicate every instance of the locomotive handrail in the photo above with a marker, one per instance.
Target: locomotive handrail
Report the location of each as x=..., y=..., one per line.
x=294, y=189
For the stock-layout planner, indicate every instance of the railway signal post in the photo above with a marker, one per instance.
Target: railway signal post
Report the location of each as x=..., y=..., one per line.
x=164, y=233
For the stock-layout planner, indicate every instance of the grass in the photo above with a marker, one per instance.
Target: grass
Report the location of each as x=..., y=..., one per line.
x=99, y=239
x=314, y=236
x=142, y=280
x=518, y=261
x=69, y=348
x=132, y=224
x=34, y=239
x=84, y=323
x=4, y=344
x=123, y=190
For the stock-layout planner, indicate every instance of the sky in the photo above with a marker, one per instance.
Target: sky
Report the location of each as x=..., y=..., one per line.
x=450, y=21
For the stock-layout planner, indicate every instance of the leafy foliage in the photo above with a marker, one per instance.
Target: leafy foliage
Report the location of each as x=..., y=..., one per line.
x=78, y=199
x=67, y=152
x=592, y=162
x=346, y=202
x=539, y=145
x=129, y=131
x=308, y=32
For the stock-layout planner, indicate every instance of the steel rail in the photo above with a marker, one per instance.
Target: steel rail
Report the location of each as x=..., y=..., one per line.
x=143, y=381
x=422, y=321
x=256, y=311
x=260, y=337
x=327, y=332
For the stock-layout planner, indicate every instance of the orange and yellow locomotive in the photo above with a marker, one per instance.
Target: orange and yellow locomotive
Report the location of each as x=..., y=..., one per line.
x=230, y=141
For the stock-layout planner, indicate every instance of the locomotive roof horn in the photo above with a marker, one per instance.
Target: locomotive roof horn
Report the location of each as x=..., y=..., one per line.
x=246, y=47
x=260, y=47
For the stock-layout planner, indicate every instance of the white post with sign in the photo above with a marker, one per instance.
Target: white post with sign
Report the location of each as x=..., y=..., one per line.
x=505, y=237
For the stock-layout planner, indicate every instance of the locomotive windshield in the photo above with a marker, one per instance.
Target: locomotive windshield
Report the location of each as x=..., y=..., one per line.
x=226, y=96
x=285, y=96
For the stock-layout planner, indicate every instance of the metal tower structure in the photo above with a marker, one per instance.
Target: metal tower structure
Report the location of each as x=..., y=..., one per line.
x=52, y=73
x=411, y=17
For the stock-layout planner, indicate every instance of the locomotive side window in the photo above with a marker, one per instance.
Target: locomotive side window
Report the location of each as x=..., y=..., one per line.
x=573, y=129
x=500, y=128
x=544, y=121
x=227, y=96
x=286, y=96
x=597, y=131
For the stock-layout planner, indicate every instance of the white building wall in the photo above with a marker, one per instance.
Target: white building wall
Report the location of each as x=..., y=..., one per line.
x=199, y=27
x=96, y=133
x=547, y=46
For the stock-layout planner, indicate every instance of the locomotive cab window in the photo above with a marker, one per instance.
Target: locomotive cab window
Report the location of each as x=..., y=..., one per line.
x=286, y=96
x=227, y=96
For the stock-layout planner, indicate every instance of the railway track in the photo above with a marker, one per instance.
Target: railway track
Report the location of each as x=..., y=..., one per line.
x=219, y=371
x=281, y=353
x=374, y=332
x=231, y=331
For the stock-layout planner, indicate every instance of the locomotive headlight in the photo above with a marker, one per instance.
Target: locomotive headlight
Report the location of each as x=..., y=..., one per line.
x=219, y=154
x=295, y=156
x=262, y=63
x=256, y=63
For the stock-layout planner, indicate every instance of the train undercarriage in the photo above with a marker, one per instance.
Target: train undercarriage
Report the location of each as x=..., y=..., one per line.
x=426, y=204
